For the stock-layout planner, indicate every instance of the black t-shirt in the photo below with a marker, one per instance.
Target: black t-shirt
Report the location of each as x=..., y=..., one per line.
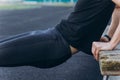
x=86, y=23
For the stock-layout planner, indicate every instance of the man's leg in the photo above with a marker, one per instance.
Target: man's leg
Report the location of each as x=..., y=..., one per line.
x=37, y=48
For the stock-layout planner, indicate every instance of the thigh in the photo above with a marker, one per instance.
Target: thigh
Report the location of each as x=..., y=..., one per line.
x=40, y=48
x=52, y=50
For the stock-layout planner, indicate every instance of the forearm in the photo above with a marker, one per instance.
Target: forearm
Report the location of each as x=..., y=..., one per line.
x=114, y=23
x=116, y=38
x=111, y=31
x=117, y=2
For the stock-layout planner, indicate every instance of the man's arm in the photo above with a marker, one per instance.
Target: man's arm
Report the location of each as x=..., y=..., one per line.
x=113, y=26
x=114, y=23
x=97, y=46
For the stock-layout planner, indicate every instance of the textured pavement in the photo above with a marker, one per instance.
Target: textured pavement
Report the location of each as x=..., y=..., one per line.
x=80, y=67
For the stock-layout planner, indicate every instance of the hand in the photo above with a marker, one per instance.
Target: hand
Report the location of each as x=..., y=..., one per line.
x=98, y=46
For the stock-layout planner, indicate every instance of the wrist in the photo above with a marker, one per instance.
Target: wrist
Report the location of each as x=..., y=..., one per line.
x=108, y=37
x=112, y=45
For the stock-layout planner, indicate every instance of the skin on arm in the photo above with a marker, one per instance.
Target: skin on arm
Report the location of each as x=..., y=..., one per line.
x=117, y=2
x=114, y=24
x=97, y=46
x=116, y=37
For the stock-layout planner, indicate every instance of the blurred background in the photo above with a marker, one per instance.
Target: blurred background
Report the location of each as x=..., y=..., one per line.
x=22, y=4
x=36, y=1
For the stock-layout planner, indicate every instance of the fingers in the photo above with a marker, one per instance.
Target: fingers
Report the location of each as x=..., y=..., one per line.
x=93, y=48
x=97, y=46
x=97, y=54
x=95, y=51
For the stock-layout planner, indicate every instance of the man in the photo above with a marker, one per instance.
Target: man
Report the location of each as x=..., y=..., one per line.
x=54, y=46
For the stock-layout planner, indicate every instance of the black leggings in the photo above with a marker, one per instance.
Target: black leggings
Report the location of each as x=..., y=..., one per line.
x=42, y=49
